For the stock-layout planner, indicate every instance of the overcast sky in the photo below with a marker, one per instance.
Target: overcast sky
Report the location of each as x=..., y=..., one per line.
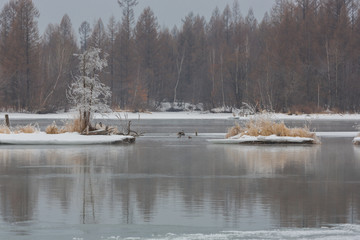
x=168, y=12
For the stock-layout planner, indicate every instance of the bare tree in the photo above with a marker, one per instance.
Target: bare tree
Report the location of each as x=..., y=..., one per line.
x=179, y=66
x=20, y=50
x=126, y=53
x=57, y=63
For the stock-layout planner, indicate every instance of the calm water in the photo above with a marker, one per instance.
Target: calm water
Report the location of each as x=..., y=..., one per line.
x=163, y=187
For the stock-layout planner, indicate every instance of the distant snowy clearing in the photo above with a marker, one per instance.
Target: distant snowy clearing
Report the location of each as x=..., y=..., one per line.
x=273, y=139
x=182, y=115
x=61, y=139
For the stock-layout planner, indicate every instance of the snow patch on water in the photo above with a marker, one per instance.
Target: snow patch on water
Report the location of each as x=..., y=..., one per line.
x=344, y=232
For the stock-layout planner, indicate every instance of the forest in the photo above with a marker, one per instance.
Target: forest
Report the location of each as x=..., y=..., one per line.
x=303, y=56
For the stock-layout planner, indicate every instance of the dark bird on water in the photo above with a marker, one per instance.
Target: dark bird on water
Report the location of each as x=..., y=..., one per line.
x=181, y=133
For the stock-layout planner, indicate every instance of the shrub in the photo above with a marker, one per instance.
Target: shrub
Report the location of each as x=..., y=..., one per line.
x=52, y=129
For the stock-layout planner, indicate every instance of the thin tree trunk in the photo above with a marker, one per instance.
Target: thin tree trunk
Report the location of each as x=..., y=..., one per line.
x=179, y=69
x=222, y=79
x=328, y=71
x=237, y=70
x=56, y=82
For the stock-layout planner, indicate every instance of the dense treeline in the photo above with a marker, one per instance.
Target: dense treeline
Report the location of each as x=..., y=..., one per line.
x=304, y=55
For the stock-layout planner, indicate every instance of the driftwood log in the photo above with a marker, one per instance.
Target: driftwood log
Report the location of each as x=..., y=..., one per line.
x=101, y=129
x=97, y=132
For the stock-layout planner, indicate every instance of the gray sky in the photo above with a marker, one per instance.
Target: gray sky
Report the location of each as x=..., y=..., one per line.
x=168, y=12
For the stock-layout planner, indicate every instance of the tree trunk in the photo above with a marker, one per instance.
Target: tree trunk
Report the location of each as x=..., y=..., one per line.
x=179, y=68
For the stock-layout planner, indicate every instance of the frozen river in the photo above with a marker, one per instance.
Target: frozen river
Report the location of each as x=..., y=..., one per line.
x=163, y=187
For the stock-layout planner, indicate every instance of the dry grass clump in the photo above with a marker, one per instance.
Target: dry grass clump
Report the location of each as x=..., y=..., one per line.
x=30, y=128
x=52, y=129
x=233, y=131
x=4, y=129
x=70, y=126
x=73, y=126
x=264, y=126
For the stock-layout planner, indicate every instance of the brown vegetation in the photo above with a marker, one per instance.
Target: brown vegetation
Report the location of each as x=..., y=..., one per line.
x=73, y=125
x=30, y=128
x=70, y=126
x=4, y=129
x=264, y=126
x=52, y=129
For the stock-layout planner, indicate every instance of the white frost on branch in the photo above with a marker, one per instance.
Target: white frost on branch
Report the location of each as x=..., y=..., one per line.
x=87, y=93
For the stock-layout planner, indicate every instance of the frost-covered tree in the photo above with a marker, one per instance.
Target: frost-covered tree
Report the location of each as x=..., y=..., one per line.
x=84, y=31
x=87, y=93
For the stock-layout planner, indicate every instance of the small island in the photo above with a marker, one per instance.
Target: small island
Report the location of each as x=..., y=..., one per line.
x=264, y=130
x=88, y=95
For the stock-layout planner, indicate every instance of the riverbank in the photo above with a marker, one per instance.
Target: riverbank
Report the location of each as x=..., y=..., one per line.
x=182, y=115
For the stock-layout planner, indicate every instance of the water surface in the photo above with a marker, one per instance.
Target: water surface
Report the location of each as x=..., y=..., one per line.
x=164, y=187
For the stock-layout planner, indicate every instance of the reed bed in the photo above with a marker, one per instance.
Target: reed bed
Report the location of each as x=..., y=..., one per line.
x=264, y=126
x=30, y=128
x=70, y=126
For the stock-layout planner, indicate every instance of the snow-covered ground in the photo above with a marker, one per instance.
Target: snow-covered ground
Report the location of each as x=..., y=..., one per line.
x=183, y=115
x=42, y=138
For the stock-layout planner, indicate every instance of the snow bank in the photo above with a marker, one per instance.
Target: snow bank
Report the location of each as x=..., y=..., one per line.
x=179, y=106
x=273, y=139
x=61, y=139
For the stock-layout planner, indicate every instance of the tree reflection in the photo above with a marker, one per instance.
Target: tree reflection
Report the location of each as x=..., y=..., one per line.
x=284, y=186
x=18, y=192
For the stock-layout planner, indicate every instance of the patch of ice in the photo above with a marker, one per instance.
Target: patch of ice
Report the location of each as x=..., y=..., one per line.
x=344, y=232
x=262, y=139
x=337, y=134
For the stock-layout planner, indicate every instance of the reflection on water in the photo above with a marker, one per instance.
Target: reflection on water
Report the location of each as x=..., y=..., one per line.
x=270, y=160
x=179, y=183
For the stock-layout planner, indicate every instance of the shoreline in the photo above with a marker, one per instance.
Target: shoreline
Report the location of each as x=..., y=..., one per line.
x=182, y=115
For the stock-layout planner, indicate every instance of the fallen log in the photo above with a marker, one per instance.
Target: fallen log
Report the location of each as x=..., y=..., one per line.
x=97, y=132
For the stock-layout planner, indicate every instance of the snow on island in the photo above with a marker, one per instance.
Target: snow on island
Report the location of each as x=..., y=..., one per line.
x=356, y=140
x=42, y=138
x=272, y=139
x=262, y=129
